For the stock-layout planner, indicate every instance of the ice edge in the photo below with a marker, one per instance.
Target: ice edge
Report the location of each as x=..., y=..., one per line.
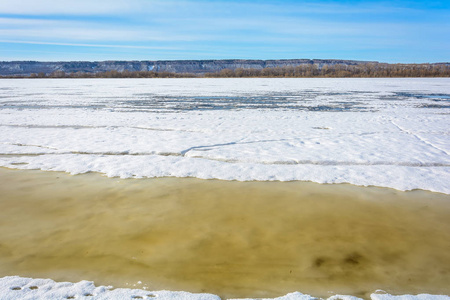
x=16, y=287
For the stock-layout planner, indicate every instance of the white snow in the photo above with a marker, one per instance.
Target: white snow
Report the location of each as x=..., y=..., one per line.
x=383, y=132
x=15, y=287
x=290, y=296
x=386, y=296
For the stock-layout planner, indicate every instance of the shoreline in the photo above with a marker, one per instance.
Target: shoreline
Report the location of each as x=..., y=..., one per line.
x=107, y=196
x=15, y=287
x=16, y=167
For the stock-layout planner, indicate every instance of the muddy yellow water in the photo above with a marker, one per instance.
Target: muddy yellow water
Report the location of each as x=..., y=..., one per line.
x=233, y=239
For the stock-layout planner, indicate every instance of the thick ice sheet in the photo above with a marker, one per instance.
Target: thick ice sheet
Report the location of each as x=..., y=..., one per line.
x=15, y=287
x=382, y=132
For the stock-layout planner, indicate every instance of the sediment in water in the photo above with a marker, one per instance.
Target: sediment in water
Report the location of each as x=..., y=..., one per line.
x=233, y=239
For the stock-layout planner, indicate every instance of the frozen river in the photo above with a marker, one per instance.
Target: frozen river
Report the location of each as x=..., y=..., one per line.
x=336, y=238
x=382, y=132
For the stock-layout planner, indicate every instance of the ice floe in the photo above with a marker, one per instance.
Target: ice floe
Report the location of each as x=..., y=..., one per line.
x=383, y=132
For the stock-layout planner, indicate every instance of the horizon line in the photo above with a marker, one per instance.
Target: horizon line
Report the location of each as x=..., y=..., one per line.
x=222, y=59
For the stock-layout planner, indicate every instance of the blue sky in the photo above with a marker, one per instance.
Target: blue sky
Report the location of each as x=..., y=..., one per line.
x=386, y=31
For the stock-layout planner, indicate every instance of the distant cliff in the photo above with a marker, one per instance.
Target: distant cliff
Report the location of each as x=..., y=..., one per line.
x=26, y=68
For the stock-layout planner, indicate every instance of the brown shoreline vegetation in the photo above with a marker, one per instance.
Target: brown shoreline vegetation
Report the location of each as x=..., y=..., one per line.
x=366, y=70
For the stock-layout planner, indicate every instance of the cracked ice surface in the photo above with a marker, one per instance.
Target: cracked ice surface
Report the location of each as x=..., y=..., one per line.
x=383, y=132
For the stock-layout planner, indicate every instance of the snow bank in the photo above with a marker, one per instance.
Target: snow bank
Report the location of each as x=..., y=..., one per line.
x=385, y=296
x=15, y=287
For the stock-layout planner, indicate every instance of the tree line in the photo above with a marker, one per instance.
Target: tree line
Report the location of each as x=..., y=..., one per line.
x=302, y=71
x=342, y=71
x=111, y=74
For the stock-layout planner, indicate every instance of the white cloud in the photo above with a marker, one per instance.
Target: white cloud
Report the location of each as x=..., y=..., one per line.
x=89, y=7
x=61, y=30
x=44, y=7
x=88, y=45
x=203, y=26
x=180, y=8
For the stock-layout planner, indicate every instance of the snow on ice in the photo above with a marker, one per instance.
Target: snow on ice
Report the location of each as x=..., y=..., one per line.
x=383, y=132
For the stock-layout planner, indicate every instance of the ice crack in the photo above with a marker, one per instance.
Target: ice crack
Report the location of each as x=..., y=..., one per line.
x=419, y=138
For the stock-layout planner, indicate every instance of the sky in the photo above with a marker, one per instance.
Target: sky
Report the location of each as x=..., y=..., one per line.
x=97, y=30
